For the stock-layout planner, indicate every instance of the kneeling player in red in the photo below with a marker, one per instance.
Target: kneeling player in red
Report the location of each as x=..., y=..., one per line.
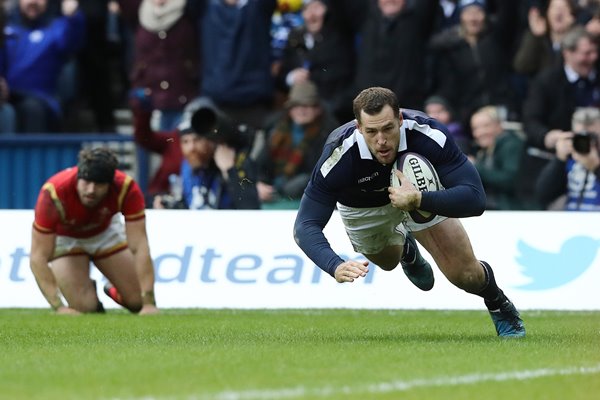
x=77, y=220
x=353, y=174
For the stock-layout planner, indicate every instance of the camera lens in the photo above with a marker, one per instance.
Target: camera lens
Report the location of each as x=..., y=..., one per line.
x=582, y=142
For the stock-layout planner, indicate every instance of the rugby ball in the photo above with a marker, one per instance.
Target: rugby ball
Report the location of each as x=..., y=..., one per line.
x=419, y=171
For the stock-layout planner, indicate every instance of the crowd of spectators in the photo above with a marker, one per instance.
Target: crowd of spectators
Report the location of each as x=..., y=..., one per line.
x=505, y=76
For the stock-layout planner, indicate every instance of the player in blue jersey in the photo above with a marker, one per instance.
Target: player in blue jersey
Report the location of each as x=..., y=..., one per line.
x=353, y=174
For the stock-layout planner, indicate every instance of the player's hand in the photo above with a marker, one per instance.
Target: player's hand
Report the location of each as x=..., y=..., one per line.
x=64, y=310
x=406, y=197
x=350, y=270
x=149, y=309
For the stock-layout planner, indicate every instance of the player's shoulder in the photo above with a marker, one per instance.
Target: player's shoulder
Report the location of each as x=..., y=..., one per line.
x=420, y=126
x=124, y=183
x=121, y=177
x=338, y=135
x=418, y=119
x=62, y=179
x=341, y=148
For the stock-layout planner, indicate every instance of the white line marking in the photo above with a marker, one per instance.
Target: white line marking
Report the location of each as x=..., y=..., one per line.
x=398, y=386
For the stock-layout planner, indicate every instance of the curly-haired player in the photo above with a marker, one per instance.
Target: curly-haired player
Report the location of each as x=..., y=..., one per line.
x=77, y=221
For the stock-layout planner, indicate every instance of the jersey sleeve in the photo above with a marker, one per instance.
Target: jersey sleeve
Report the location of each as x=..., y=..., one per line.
x=308, y=233
x=131, y=200
x=47, y=210
x=464, y=195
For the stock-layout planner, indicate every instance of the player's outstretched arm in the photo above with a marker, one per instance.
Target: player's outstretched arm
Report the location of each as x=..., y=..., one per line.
x=42, y=247
x=350, y=270
x=138, y=243
x=308, y=233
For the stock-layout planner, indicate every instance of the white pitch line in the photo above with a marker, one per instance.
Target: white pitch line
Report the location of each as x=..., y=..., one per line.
x=398, y=386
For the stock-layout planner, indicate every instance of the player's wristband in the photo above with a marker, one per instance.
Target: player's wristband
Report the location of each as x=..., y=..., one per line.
x=148, y=297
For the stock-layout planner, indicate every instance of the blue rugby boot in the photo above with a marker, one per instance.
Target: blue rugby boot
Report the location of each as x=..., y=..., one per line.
x=507, y=320
x=416, y=268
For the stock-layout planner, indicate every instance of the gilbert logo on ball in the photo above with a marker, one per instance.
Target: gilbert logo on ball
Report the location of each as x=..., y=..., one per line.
x=419, y=171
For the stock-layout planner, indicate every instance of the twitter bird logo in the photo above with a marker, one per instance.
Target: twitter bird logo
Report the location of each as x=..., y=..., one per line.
x=548, y=270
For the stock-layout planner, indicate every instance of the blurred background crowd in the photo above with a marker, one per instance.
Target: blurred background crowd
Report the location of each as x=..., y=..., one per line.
x=235, y=98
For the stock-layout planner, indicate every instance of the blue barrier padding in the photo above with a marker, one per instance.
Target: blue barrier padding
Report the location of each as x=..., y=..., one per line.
x=27, y=160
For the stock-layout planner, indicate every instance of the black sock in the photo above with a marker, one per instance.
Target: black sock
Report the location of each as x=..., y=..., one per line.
x=410, y=253
x=490, y=292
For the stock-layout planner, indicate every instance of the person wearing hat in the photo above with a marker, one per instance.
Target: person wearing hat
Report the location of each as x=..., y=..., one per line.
x=295, y=140
x=77, y=221
x=216, y=171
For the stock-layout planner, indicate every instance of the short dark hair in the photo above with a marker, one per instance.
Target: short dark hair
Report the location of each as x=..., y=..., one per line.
x=97, y=165
x=373, y=99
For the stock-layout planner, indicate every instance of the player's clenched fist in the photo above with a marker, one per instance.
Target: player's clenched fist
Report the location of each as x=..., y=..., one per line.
x=349, y=270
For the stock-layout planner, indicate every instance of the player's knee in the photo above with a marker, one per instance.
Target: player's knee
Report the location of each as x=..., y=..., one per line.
x=387, y=266
x=85, y=305
x=132, y=300
x=133, y=306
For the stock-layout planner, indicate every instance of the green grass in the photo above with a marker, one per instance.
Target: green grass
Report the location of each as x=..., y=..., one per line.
x=330, y=354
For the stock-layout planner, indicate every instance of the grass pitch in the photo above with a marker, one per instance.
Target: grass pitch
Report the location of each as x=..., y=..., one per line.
x=296, y=354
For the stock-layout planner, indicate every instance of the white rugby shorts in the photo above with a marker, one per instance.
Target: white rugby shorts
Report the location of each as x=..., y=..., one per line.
x=104, y=244
x=372, y=229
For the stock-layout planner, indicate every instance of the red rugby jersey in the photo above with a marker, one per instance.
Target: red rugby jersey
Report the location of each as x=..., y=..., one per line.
x=59, y=210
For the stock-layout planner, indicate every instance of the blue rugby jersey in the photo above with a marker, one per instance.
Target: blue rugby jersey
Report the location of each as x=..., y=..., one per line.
x=348, y=173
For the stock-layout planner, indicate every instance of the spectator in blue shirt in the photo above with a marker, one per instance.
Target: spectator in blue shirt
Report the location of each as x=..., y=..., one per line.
x=37, y=46
x=7, y=112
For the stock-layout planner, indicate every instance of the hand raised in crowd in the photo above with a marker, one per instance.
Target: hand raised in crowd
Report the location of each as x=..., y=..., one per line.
x=224, y=158
x=350, y=270
x=537, y=22
x=69, y=7
x=299, y=75
x=593, y=26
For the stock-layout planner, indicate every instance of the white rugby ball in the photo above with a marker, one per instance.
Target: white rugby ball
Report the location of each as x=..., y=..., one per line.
x=419, y=171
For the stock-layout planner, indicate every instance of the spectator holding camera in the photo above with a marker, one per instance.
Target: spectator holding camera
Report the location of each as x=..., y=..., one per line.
x=216, y=171
x=575, y=173
x=553, y=97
